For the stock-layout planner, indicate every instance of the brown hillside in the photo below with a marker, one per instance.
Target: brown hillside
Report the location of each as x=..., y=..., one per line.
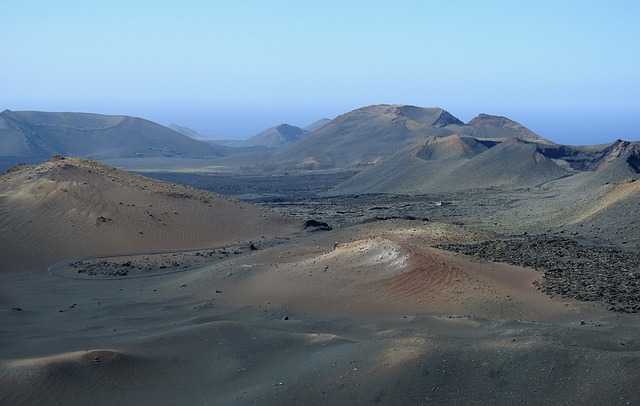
x=69, y=207
x=33, y=136
x=364, y=136
x=456, y=163
x=490, y=126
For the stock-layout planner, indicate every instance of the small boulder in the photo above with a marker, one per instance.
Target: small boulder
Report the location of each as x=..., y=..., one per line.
x=316, y=225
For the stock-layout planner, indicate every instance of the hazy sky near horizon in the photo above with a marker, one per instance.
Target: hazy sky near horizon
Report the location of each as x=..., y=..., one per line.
x=568, y=70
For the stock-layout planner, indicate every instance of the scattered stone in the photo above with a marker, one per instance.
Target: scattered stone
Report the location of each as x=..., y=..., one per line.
x=317, y=225
x=571, y=270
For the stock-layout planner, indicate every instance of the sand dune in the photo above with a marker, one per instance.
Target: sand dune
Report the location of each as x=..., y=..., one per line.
x=67, y=208
x=79, y=375
x=387, y=275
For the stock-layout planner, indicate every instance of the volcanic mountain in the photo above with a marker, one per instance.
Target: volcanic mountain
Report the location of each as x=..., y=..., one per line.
x=370, y=134
x=34, y=136
x=189, y=132
x=70, y=207
x=316, y=125
x=489, y=126
x=604, y=193
x=273, y=137
x=456, y=163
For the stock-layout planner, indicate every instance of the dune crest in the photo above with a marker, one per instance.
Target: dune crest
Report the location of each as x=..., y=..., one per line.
x=72, y=207
x=45, y=379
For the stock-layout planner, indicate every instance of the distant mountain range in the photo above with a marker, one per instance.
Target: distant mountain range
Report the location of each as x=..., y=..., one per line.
x=276, y=137
x=391, y=149
x=271, y=138
x=396, y=148
x=190, y=132
x=456, y=163
x=488, y=126
x=316, y=125
x=366, y=136
x=33, y=136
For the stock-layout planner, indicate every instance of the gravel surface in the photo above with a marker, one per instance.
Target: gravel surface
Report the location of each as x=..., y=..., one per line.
x=572, y=270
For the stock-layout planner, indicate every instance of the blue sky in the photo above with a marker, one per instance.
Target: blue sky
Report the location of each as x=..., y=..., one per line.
x=569, y=70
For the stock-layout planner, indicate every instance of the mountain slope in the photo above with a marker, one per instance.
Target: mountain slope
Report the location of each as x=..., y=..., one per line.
x=316, y=125
x=489, y=126
x=68, y=207
x=594, y=157
x=189, y=132
x=364, y=136
x=274, y=137
x=277, y=137
x=604, y=197
x=415, y=169
x=512, y=163
x=589, y=191
x=456, y=163
x=32, y=136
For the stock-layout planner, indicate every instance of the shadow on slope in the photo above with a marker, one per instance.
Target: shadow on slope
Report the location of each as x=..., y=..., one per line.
x=456, y=163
